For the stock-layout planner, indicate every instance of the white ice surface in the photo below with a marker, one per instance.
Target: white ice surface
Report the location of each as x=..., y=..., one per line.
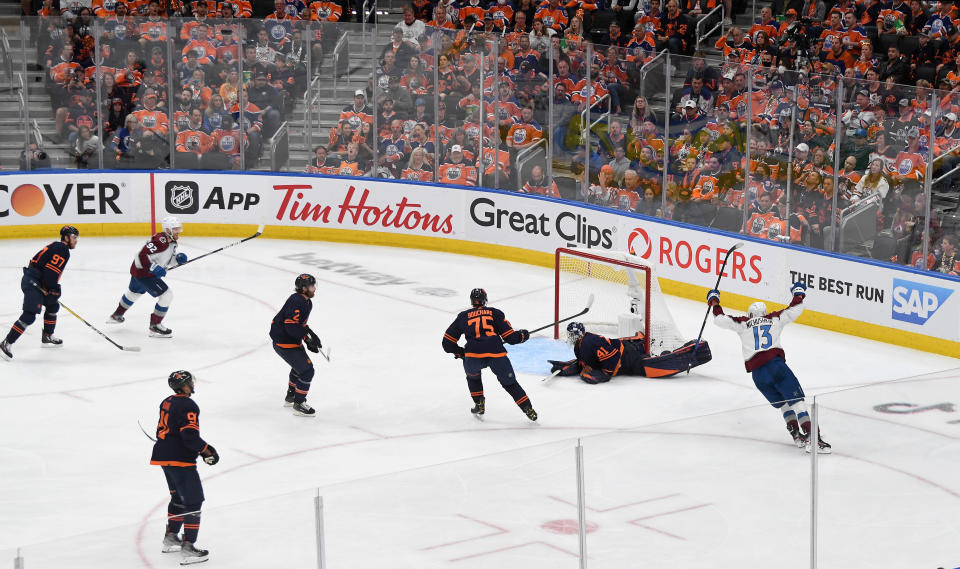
x=708, y=480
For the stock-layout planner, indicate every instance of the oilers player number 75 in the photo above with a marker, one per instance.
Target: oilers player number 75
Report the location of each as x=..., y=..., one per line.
x=762, y=333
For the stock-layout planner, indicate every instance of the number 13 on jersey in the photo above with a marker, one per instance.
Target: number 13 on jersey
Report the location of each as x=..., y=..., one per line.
x=761, y=337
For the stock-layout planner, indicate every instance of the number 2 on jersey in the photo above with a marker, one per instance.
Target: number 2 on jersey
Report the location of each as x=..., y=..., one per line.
x=482, y=321
x=762, y=338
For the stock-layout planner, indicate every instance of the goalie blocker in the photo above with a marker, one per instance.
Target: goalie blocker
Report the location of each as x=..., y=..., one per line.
x=598, y=359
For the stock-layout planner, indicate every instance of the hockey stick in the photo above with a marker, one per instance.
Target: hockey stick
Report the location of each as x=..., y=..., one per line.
x=145, y=433
x=581, y=313
x=709, y=308
x=234, y=244
x=92, y=327
x=552, y=375
x=326, y=355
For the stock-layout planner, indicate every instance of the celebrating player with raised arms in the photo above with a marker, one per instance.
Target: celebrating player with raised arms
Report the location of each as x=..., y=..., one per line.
x=176, y=449
x=764, y=358
x=289, y=331
x=486, y=329
x=41, y=288
x=146, y=276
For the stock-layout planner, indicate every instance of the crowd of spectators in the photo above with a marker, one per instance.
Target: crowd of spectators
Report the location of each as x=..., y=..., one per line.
x=193, y=85
x=462, y=91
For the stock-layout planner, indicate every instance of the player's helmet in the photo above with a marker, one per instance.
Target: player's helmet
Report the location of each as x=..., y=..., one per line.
x=757, y=309
x=68, y=230
x=171, y=224
x=179, y=379
x=575, y=332
x=478, y=297
x=304, y=281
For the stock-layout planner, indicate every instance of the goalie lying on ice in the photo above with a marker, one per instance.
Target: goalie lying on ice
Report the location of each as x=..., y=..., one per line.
x=599, y=358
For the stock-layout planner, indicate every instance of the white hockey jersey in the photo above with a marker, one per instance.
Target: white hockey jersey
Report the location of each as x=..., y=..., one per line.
x=760, y=335
x=159, y=250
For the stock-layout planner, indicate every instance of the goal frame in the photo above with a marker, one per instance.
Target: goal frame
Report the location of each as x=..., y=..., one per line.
x=587, y=256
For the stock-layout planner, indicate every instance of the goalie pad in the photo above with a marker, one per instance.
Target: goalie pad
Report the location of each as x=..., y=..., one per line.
x=677, y=361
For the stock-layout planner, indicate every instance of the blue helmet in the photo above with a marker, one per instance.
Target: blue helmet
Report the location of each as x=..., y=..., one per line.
x=575, y=332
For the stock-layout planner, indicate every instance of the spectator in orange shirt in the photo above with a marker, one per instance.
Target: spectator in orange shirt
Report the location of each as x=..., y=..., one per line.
x=553, y=15
x=456, y=171
x=537, y=184
x=525, y=133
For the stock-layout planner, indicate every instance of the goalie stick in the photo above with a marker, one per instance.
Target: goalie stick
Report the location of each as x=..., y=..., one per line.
x=709, y=308
x=92, y=327
x=234, y=244
x=581, y=313
x=552, y=375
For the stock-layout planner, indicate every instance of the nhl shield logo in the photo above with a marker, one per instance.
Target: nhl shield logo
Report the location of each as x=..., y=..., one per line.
x=181, y=197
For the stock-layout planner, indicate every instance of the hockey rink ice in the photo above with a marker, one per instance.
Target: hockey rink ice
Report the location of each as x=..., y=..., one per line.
x=695, y=471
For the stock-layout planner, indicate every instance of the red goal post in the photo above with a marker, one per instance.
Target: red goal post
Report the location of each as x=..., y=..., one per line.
x=578, y=273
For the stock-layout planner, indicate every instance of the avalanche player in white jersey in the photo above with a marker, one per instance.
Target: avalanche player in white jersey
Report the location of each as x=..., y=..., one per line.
x=147, y=272
x=765, y=360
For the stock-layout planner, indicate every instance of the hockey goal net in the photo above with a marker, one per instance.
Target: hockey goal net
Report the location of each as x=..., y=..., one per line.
x=627, y=297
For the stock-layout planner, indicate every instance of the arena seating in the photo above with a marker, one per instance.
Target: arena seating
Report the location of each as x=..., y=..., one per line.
x=796, y=123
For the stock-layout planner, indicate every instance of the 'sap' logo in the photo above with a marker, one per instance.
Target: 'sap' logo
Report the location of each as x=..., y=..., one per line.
x=181, y=197
x=917, y=302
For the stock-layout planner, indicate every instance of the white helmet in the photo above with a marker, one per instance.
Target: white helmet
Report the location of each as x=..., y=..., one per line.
x=171, y=224
x=757, y=309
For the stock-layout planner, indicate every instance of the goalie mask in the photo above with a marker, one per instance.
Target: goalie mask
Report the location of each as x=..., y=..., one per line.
x=757, y=309
x=575, y=332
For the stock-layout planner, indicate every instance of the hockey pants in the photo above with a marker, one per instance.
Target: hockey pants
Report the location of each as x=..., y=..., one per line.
x=776, y=382
x=186, y=498
x=301, y=370
x=502, y=368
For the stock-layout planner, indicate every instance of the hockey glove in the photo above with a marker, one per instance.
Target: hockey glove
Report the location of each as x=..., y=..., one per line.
x=312, y=342
x=571, y=367
x=713, y=297
x=594, y=376
x=158, y=271
x=524, y=335
x=210, y=455
x=799, y=289
x=458, y=354
x=181, y=258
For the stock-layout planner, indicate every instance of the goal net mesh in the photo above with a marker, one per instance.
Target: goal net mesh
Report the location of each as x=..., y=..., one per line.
x=621, y=284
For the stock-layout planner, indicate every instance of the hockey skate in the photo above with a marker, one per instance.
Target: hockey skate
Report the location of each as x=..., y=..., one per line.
x=288, y=400
x=50, y=341
x=302, y=409
x=115, y=318
x=189, y=554
x=158, y=330
x=5, y=352
x=799, y=438
x=479, y=407
x=823, y=447
x=171, y=543
x=529, y=412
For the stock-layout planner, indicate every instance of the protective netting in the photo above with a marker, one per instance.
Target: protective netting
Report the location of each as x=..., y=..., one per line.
x=620, y=283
